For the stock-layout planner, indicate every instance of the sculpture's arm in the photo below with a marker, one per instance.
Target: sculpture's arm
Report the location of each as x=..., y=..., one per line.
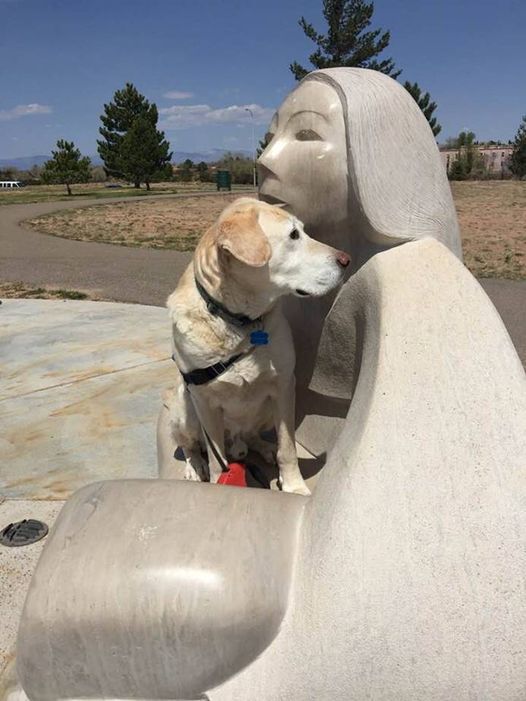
x=156, y=589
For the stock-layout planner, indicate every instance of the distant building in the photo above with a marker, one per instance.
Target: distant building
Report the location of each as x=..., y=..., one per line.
x=496, y=157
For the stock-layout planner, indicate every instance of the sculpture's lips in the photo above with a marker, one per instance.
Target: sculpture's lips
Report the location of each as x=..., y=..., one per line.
x=270, y=199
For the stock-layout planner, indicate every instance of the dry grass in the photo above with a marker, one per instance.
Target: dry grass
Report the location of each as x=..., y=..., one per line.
x=171, y=223
x=57, y=193
x=19, y=290
x=492, y=217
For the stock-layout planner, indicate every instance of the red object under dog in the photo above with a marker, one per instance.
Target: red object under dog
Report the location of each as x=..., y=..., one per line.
x=235, y=476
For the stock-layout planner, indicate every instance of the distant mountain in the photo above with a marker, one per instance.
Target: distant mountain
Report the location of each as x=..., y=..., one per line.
x=23, y=163
x=215, y=154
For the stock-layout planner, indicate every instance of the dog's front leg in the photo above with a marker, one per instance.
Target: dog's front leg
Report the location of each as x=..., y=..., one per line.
x=213, y=423
x=284, y=417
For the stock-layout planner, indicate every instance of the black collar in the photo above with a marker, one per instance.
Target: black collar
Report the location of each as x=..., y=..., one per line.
x=217, y=309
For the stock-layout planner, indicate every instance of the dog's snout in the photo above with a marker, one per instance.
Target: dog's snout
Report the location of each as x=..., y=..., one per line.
x=343, y=259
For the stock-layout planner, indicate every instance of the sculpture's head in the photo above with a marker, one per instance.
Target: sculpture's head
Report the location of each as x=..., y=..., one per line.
x=351, y=151
x=305, y=165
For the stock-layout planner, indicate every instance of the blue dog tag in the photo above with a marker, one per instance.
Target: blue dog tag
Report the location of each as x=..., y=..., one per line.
x=259, y=338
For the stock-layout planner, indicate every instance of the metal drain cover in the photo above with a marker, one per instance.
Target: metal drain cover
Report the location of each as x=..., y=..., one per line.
x=23, y=533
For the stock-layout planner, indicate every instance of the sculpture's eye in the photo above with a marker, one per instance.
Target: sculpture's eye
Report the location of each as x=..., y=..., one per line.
x=307, y=135
x=294, y=234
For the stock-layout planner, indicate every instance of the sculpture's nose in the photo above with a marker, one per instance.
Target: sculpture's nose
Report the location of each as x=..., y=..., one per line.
x=343, y=259
x=264, y=170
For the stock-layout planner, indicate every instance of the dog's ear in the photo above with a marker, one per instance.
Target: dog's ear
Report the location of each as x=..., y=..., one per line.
x=242, y=236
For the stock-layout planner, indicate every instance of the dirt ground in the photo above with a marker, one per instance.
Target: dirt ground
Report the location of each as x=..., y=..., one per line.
x=20, y=290
x=492, y=217
x=170, y=223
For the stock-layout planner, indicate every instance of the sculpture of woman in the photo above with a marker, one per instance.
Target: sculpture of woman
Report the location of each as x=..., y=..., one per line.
x=354, y=158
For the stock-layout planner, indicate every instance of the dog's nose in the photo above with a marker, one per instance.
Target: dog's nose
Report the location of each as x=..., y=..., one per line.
x=343, y=259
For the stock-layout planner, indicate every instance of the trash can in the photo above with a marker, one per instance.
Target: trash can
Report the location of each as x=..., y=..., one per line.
x=224, y=180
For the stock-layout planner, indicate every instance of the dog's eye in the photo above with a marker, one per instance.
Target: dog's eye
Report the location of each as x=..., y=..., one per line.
x=294, y=234
x=307, y=135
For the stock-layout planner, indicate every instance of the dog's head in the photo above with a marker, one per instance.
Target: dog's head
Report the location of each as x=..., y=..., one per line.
x=266, y=246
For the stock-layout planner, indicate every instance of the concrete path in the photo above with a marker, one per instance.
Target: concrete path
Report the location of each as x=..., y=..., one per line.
x=147, y=276
x=119, y=273
x=509, y=297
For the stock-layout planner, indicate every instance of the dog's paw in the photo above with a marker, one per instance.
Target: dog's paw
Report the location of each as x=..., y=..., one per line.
x=190, y=474
x=295, y=487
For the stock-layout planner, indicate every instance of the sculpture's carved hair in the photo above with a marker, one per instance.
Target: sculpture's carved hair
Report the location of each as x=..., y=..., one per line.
x=396, y=178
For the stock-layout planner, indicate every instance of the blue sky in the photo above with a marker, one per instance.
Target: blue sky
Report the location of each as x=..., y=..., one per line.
x=204, y=61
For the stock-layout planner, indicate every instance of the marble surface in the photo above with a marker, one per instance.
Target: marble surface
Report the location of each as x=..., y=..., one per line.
x=79, y=394
x=156, y=589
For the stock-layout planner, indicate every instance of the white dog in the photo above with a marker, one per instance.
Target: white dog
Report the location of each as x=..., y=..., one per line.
x=232, y=344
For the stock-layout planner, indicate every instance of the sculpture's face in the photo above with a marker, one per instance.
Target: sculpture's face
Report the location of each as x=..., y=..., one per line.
x=305, y=164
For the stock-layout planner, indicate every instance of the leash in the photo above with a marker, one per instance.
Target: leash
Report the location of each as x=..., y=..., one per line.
x=256, y=473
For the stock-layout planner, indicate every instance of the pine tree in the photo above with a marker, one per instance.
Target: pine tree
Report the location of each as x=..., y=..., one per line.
x=143, y=152
x=347, y=43
x=186, y=170
x=425, y=104
x=263, y=143
x=67, y=166
x=118, y=118
x=203, y=172
x=469, y=164
x=518, y=156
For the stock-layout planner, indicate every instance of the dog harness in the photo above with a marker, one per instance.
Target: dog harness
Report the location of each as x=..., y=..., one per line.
x=203, y=375
x=258, y=337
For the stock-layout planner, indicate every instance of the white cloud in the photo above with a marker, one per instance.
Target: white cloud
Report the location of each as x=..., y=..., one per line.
x=178, y=95
x=24, y=111
x=182, y=116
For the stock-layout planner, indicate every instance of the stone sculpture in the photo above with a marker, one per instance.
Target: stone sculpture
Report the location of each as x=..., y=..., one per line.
x=402, y=576
x=351, y=156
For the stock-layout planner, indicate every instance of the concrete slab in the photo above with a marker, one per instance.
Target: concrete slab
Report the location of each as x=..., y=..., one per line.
x=45, y=343
x=80, y=394
x=16, y=568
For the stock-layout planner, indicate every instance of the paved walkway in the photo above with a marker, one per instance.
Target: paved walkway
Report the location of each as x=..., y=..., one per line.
x=147, y=276
x=120, y=273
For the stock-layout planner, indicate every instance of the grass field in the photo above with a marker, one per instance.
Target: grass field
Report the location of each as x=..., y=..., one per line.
x=171, y=223
x=57, y=193
x=492, y=217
